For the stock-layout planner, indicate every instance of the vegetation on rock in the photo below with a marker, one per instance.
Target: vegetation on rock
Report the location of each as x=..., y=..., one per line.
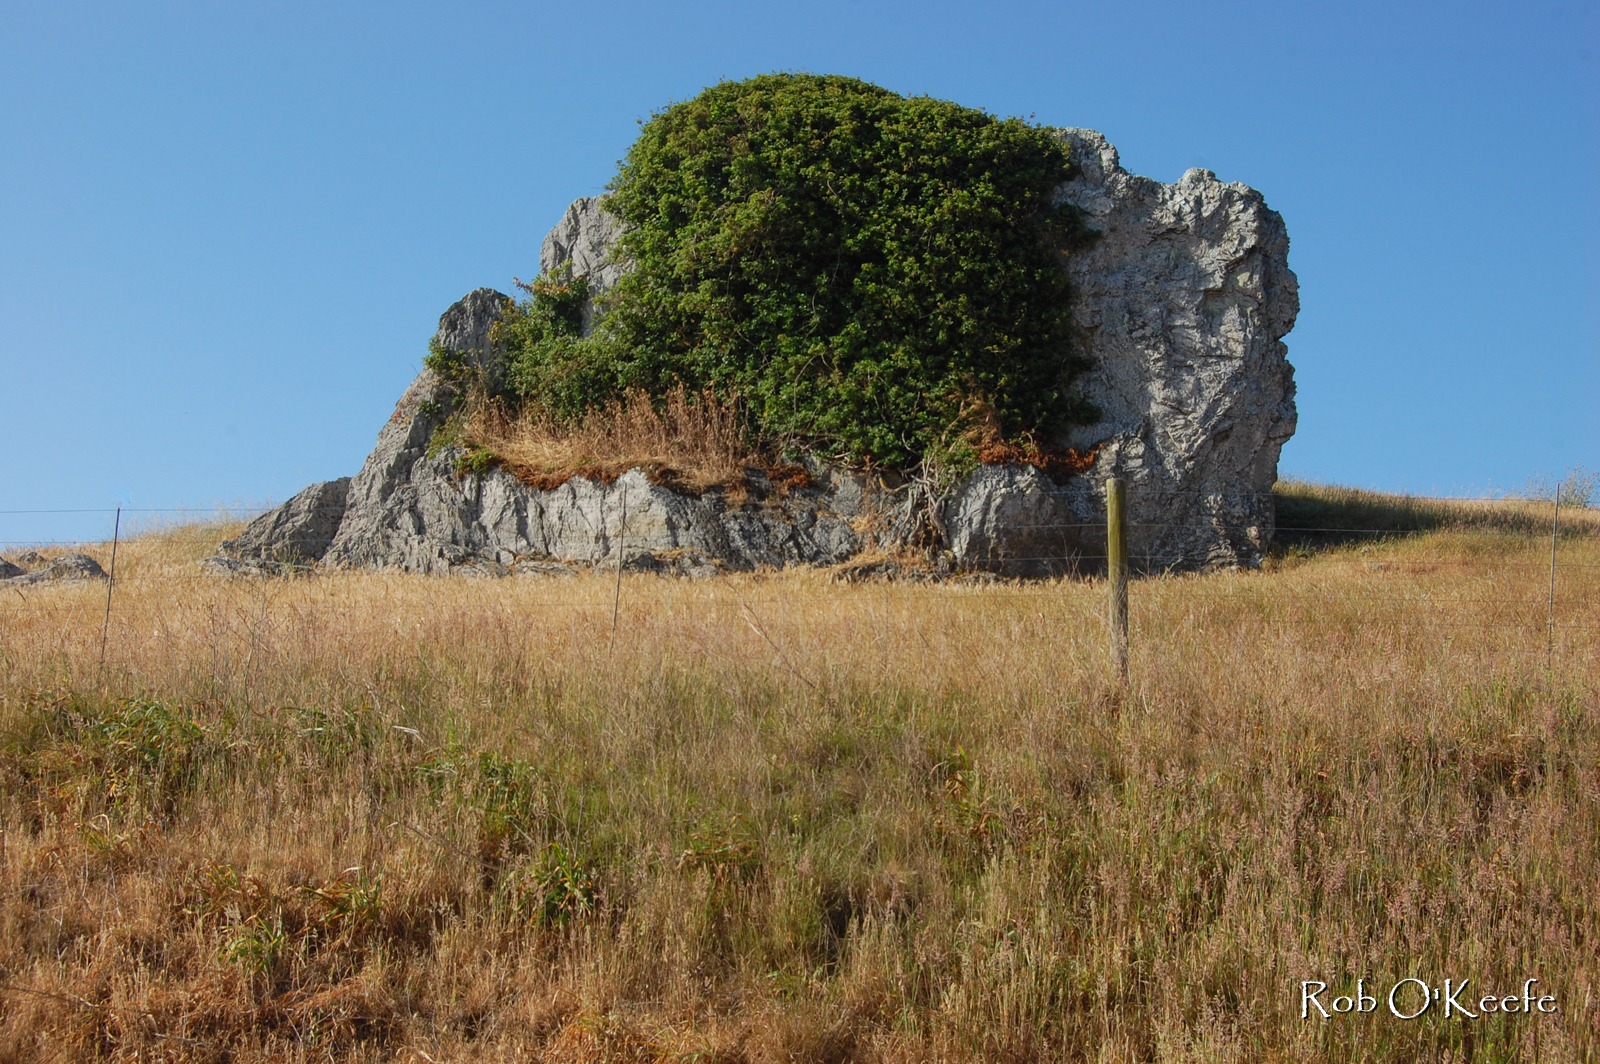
x=874, y=277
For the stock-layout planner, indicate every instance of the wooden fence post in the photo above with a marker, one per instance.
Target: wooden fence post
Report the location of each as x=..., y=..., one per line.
x=1117, y=575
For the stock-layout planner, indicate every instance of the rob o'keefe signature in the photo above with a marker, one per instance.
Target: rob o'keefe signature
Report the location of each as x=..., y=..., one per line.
x=1410, y=998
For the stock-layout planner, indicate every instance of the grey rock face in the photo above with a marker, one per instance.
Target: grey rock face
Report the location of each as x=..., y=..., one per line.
x=378, y=517
x=70, y=566
x=395, y=505
x=225, y=566
x=300, y=530
x=585, y=239
x=7, y=570
x=1014, y=520
x=466, y=327
x=1183, y=304
x=436, y=522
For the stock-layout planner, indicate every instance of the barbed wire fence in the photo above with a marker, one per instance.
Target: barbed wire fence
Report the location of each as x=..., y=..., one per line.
x=1499, y=519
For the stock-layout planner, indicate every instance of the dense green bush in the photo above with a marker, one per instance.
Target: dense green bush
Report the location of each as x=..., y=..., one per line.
x=549, y=358
x=870, y=273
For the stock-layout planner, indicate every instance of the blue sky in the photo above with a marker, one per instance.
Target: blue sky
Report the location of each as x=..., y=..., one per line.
x=227, y=233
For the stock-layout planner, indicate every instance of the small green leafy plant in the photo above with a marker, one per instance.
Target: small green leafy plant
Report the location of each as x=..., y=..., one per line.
x=554, y=889
x=138, y=758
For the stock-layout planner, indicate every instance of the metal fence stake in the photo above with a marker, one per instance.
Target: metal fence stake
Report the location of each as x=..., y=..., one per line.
x=1550, y=629
x=111, y=580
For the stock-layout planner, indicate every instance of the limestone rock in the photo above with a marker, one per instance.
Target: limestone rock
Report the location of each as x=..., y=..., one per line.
x=543, y=567
x=1014, y=520
x=586, y=238
x=1183, y=304
x=225, y=566
x=466, y=326
x=7, y=570
x=398, y=505
x=300, y=530
x=70, y=566
x=433, y=521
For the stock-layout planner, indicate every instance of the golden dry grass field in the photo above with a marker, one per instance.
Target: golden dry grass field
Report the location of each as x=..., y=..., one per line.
x=373, y=816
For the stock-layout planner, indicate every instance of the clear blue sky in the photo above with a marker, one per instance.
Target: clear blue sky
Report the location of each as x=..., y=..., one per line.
x=226, y=232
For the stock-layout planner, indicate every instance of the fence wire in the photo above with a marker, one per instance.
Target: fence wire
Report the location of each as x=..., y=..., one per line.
x=1157, y=585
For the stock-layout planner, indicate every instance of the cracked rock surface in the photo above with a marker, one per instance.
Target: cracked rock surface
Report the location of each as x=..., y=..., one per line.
x=1184, y=302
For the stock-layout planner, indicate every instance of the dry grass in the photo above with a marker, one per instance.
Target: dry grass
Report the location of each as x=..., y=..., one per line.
x=1323, y=514
x=370, y=816
x=692, y=443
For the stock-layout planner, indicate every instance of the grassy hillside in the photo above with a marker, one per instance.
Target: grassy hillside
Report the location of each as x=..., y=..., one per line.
x=373, y=816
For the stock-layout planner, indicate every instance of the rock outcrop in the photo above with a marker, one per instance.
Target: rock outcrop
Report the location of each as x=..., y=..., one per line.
x=585, y=240
x=1183, y=303
x=301, y=530
x=70, y=566
x=411, y=510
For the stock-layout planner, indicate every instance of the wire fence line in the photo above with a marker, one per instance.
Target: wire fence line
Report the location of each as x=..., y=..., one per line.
x=1156, y=564
x=928, y=589
x=129, y=609
x=42, y=599
x=242, y=511
x=604, y=608
x=1209, y=526
x=1277, y=604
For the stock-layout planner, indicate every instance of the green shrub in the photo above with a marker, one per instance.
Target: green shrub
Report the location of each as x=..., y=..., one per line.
x=548, y=360
x=448, y=364
x=476, y=461
x=864, y=270
x=554, y=889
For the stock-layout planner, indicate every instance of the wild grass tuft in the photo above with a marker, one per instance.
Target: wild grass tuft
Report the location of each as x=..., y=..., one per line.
x=694, y=443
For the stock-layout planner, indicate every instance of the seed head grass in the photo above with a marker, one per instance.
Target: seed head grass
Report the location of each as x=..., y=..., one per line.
x=376, y=816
